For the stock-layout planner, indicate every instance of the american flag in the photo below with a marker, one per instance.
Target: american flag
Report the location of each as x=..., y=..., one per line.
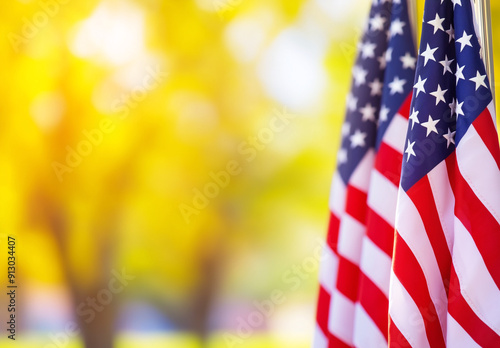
x=354, y=277
x=445, y=279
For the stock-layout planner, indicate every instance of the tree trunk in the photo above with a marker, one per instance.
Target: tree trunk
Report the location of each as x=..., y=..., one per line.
x=97, y=330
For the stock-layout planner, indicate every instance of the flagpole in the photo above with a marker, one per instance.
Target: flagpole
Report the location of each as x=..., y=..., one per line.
x=412, y=9
x=483, y=14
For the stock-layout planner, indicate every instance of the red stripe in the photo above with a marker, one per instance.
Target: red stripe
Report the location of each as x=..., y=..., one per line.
x=337, y=343
x=476, y=218
x=396, y=338
x=388, y=163
x=323, y=310
x=404, y=110
x=374, y=302
x=333, y=232
x=423, y=198
x=460, y=310
x=348, y=279
x=380, y=232
x=408, y=271
x=356, y=203
x=486, y=129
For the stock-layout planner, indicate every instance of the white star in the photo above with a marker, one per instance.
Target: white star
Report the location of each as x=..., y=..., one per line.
x=376, y=87
x=430, y=125
x=479, y=80
x=446, y=64
x=384, y=113
x=382, y=62
x=456, y=2
x=342, y=156
x=450, y=138
x=377, y=22
x=439, y=95
x=458, y=109
x=359, y=75
x=460, y=73
x=428, y=54
x=451, y=33
x=396, y=85
x=346, y=129
x=409, y=150
x=414, y=117
x=408, y=61
x=388, y=54
x=358, y=139
x=420, y=85
x=386, y=57
x=368, y=112
x=352, y=102
x=464, y=41
x=396, y=27
x=368, y=50
x=453, y=106
x=437, y=23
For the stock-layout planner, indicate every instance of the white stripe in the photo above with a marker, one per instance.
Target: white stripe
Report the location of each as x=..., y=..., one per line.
x=382, y=197
x=341, y=320
x=457, y=336
x=328, y=269
x=337, y=195
x=319, y=340
x=395, y=135
x=376, y=265
x=360, y=178
x=443, y=199
x=411, y=229
x=406, y=315
x=493, y=113
x=366, y=332
x=476, y=284
x=480, y=170
x=351, y=234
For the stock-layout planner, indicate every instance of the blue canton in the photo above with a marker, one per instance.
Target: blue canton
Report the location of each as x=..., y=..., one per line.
x=382, y=80
x=450, y=90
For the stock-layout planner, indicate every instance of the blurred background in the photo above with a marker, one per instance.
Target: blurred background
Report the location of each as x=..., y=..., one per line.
x=165, y=167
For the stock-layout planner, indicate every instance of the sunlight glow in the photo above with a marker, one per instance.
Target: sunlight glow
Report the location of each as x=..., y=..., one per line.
x=113, y=33
x=245, y=36
x=292, y=71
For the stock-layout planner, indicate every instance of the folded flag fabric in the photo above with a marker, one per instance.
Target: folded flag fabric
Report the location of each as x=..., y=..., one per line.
x=445, y=279
x=354, y=276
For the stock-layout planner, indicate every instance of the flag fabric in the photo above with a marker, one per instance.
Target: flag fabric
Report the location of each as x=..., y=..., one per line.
x=354, y=275
x=445, y=278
